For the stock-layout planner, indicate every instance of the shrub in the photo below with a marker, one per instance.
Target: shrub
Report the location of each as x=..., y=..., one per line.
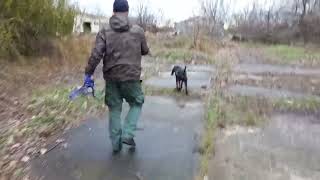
x=27, y=26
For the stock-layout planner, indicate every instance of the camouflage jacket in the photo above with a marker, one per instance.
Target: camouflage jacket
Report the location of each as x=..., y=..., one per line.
x=121, y=47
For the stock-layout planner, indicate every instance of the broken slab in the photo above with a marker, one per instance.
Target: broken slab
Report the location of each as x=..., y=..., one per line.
x=286, y=148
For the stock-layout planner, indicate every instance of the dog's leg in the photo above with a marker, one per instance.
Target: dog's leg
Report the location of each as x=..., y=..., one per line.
x=177, y=84
x=180, y=84
x=186, y=85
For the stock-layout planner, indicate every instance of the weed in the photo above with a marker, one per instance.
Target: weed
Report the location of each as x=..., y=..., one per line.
x=51, y=108
x=310, y=105
x=174, y=55
x=213, y=115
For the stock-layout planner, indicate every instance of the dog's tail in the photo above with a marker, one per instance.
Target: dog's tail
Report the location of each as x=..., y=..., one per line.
x=185, y=69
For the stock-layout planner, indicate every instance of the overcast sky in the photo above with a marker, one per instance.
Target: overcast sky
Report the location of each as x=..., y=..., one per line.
x=176, y=10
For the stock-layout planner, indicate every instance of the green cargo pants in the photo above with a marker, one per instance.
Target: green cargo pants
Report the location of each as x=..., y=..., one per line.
x=116, y=91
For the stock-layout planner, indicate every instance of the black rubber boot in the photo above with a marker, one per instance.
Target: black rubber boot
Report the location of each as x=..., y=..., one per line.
x=117, y=151
x=129, y=142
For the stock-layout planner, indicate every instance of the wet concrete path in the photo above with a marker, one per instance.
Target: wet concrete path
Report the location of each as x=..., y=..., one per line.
x=168, y=134
x=196, y=80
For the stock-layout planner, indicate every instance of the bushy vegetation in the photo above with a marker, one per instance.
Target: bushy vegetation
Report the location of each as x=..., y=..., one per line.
x=27, y=26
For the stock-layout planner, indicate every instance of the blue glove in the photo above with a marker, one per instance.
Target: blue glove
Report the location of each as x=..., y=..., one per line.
x=88, y=81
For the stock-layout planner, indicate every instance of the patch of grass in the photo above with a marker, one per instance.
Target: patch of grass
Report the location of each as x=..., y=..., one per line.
x=260, y=107
x=174, y=55
x=164, y=41
x=183, y=56
x=251, y=44
x=287, y=52
x=3, y=139
x=52, y=108
x=222, y=112
x=180, y=49
x=243, y=111
x=298, y=105
x=292, y=53
x=207, y=146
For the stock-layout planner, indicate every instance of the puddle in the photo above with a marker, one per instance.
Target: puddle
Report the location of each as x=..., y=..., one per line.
x=244, y=90
x=165, y=147
x=275, y=70
x=286, y=148
x=196, y=80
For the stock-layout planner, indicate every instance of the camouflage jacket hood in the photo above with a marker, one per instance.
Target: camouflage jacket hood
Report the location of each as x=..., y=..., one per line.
x=119, y=23
x=121, y=46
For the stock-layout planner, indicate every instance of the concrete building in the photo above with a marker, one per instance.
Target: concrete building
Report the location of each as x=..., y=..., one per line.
x=188, y=26
x=87, y=23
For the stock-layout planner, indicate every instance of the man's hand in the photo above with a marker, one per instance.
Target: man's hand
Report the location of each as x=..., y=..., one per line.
x=88, y=81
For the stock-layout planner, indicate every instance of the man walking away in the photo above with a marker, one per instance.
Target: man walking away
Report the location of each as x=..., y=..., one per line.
x=121, y=46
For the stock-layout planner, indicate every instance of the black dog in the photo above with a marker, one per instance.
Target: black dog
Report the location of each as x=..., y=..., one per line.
x=181, y=77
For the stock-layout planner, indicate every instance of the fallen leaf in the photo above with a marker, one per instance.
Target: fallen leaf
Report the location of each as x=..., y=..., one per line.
x=65, y=145
x=12, y=165
x=25, y=159
x=45, y=132
x=139, y=176
x=15, y=146
x=43, y=151
x=26, y=178
x=60, y=140
x=290, y=102
x=10, y=140
x=31, y=150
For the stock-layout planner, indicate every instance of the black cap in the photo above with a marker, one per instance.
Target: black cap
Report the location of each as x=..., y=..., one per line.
x=120, y=6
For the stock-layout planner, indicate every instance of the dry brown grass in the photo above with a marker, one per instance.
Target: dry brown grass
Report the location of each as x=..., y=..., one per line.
x=18, y=83
x=71, y=56
x=180, y=49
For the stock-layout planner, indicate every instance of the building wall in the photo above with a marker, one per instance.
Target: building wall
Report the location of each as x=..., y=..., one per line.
x=96, y=23
x=187, y=27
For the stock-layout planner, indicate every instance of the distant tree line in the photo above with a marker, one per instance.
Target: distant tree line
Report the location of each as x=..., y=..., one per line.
x=286, y=22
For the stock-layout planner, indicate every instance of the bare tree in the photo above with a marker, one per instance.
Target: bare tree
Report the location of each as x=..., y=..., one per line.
x=196, y=33
x=145, y=17
x=215, y=13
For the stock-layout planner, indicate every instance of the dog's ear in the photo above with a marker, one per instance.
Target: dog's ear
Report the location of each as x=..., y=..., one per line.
x=185, y=69
x=173, y=70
